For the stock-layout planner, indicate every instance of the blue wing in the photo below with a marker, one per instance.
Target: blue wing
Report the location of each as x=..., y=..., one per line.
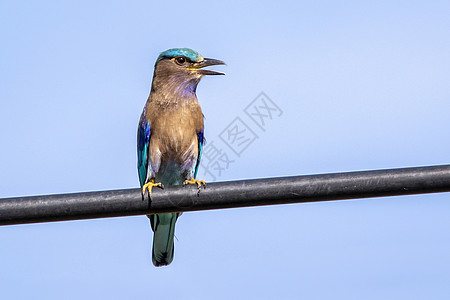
x=143, y=141
x=201, y=141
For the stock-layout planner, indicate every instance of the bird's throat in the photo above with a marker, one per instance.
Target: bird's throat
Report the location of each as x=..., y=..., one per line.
x=175, y=89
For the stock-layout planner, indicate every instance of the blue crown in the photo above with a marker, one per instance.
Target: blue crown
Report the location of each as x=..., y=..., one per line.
x=189, y=53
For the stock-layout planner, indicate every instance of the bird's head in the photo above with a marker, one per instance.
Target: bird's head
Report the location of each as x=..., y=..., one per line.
x=181, y=69
x=187, y=62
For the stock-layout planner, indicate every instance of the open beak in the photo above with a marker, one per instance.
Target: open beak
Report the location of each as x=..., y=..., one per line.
x=206, y=63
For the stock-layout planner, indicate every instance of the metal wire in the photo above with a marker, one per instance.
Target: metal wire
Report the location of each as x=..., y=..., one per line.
x=242, y=193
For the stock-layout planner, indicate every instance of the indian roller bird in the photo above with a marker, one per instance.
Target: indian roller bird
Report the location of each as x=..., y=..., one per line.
x=170, y=136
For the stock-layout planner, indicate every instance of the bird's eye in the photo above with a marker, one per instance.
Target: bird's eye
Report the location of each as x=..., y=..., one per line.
x=180, y=60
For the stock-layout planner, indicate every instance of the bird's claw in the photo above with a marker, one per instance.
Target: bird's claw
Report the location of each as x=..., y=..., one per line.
x=199, y=184
x=149, y=185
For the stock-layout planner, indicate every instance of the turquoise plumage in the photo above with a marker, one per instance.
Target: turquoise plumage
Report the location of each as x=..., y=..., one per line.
x=171, y=136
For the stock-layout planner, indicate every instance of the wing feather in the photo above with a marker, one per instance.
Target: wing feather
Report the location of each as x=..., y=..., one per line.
x=143, y=141
x=201, y=140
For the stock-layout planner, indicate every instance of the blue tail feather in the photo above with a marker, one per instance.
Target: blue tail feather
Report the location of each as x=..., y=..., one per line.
x=163, y=226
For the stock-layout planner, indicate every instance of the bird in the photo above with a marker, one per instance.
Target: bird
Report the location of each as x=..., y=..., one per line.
x=170, y=136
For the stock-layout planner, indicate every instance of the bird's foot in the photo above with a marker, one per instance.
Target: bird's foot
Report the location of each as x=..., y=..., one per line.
x=199, y=184
x=149, y=185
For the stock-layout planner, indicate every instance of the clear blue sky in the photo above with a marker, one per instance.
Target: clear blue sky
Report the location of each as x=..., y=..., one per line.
x=362, y=85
